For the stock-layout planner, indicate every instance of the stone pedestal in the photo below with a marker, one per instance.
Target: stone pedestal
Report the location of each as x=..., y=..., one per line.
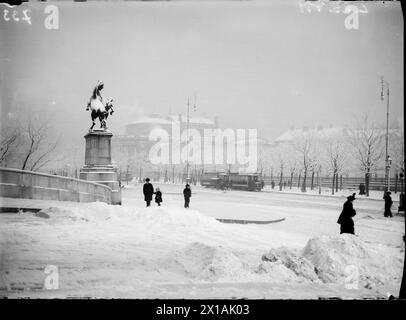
x=98, y=167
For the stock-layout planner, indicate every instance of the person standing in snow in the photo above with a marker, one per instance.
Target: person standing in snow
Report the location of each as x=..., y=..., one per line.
x=158, y=196
x=187, y=193
x=345, y=219
x=388, y=204
x=148, y=191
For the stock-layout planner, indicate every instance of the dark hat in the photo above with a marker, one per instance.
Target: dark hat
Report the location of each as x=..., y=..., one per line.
x=352, y=197
x=187, y=185
x=147, y=179
x=388, y=192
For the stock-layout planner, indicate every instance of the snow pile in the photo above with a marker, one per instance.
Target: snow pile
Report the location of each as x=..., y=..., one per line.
x=342, y=259
x=146, y=217
x=338, y=259
x=203, y=262
x=296, y=264
x=332, y=255
x=210, y=263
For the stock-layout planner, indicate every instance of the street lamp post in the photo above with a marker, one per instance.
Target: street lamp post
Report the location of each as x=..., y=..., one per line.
x=385, y=84
x=188, y=180
x=388, y=166
x=187, y=144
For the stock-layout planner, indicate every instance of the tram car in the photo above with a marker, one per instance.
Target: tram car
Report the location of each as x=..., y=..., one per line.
x=249, y=182
x=211, y=180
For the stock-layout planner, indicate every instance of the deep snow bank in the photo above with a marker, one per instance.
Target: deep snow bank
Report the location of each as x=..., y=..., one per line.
x=152, y=216
x=210, y=252
x=210, y=263
x=345, y=259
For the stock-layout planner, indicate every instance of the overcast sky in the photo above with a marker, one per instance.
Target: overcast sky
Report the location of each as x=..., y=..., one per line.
x=264, y=65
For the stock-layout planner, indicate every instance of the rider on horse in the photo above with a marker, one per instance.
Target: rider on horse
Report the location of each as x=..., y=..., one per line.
x=96, y=93
x=99, y=107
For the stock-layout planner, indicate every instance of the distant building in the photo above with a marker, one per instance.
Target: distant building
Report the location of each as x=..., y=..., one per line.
x=131, y=149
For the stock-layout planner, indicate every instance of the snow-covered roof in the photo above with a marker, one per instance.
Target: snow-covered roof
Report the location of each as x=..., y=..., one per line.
x=151, y=120
x=155, y=119
x=323, y=132
x=195, y=120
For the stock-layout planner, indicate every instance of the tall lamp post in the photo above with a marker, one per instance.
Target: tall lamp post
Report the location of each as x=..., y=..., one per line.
x=388, y=166
x=187, y=144
x=188, y=179
x=385, y=84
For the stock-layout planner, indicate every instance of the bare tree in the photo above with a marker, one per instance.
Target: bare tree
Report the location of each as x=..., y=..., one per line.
x=40, y=143
x=336, y=156
x=396, y=149
x=367, y=142
x=286, y=159
x=7, y=141
x=305, y=145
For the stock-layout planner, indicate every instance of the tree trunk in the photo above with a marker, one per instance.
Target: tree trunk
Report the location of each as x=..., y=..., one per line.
x=367, y=183
x=396, y=182
x=336, y=182
x=291, y=180
x=298, y=183
x=280, y=181
x=311, y=186
x=304, y=181
x=341, y=182
x=332, y=186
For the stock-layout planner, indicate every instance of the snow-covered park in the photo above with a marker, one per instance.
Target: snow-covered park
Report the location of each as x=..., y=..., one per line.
x=130, y=251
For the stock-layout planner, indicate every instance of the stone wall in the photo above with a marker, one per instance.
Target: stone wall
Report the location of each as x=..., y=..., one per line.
x=33, y=185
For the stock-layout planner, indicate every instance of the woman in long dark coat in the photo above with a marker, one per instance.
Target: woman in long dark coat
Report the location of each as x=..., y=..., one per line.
x=148, y=190
x=345, y=219
x=388, y=204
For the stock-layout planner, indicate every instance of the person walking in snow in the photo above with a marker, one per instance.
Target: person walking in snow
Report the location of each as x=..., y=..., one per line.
x=345, y=219
x=148, y=191
x=187, y=194
x=388, y=204
x=158, y=196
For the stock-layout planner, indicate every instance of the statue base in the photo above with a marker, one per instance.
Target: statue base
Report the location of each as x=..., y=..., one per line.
x=98, y=167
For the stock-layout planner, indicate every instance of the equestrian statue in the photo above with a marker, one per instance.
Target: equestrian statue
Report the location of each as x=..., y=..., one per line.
x=99, y=106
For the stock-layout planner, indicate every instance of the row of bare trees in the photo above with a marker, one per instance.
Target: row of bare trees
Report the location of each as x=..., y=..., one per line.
x=357, y=149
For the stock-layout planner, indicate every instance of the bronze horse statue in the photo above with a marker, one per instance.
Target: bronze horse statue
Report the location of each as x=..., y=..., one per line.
x=99, y=106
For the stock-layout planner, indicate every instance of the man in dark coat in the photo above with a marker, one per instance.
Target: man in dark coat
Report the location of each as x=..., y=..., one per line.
x=345, y=219
x=148, y=190
x=187, y=193
x=388, y=204
x=158, y=196
x=361, y=189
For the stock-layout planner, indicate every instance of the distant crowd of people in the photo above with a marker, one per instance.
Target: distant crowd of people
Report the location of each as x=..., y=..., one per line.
x=148, y=190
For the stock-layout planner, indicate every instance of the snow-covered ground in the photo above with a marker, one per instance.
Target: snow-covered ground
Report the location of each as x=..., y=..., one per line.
x=171, y=252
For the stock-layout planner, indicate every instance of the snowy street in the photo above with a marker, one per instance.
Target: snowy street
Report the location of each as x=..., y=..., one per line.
x=171, y=252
